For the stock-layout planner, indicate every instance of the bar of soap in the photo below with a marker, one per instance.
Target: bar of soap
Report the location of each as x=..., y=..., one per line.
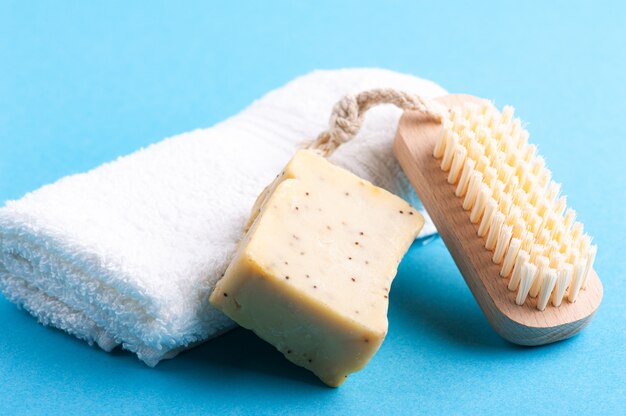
x=313, y=272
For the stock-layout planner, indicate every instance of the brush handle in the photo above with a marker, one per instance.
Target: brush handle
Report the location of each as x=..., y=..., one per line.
x=524, y=325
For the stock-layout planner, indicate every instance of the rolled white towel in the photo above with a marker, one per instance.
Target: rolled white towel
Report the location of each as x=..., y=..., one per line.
x=127, y=253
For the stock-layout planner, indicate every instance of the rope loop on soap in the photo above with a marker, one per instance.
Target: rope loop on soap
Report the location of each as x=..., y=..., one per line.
x=348, y=114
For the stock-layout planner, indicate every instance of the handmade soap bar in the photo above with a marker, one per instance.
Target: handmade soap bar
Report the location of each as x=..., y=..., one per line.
x=312, y=274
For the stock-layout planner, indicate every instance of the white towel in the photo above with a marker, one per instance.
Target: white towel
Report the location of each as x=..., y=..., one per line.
x=127, y=253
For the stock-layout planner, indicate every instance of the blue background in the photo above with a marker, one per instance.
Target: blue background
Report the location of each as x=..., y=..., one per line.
x=83, y=83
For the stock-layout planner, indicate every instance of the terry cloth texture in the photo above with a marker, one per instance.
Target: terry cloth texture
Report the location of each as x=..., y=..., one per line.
x=127, y=253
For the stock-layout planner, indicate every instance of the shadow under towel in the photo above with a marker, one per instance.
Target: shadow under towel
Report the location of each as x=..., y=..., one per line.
x=127, y=253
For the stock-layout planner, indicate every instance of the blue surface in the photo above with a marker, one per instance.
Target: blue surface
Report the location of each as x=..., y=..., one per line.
x=81, y=84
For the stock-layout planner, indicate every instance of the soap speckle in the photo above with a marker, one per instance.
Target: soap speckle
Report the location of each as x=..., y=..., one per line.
x=361, y=233
x=288, y=351
x=356, y=243
x=295, y=237
x=286, y=263
x=401, y=212
x=286, y=277
x=307, y=276
x=302, y=253
x=386, y=297
x=347, y=193
x=225, y=294
x=314, y=286
x=349, y=258
x=306, y=193
x=366, y=340
x=353, y=279
x=328, y=227
x=310, y=360
x=410, y=212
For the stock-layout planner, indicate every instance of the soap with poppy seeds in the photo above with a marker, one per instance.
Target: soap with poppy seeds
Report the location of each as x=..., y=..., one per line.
x=313, y=272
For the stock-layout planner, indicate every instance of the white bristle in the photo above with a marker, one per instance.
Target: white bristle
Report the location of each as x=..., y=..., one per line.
x=563, y=280
x=550, y=223
x=516, y=129
x=585, y=244
x=461, y=127
x=534, y=222
x=523, y=139
x=591, y=258
x=520, y=198
x=507, y=114
x=482, y=133
x=451, y=142
x=554, y=255
x=577, y=231
x=455, y=115
x=571, y=256
x=476, y=120
x=475, y=150
x=577, y=281
x=510, y=257
x=491, y=149
x=514, y=214
x=548, y=281
x=513, y=160
x=472, y=190
x=498, y=133
x=533, y=195
x=505, y=204
x=519, y=227
x=469, y=110
x=468, y=169
x=527, y=279
x=523, y=175
x=511, y=185
x=530, y=152
x=504, y=237
x=553, y=191
x=481, y=201
x=494, y=231
x=509, y=193
x=457, y=164
x=489, y=176
x=559, y=206
x=522, y=258
x=544, y=178
x=505, y=174
x=542, y=263
x=544, y=237
x=440, y=145
x=497, y=190
x=558, y=233
x=570, y=217
x=490, y=210
x=482, y=164
x=535, y=251
x=528, y=242
x=537, y=165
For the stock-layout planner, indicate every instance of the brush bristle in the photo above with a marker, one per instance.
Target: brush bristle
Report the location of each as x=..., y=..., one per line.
x=509, y=194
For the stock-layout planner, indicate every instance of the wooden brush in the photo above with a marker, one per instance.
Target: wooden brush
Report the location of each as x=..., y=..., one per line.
x=525, y=258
